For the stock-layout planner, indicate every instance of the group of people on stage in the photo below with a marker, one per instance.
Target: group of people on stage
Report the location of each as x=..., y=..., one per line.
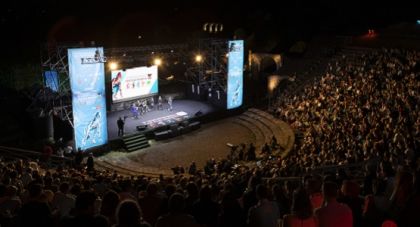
x=142, y=106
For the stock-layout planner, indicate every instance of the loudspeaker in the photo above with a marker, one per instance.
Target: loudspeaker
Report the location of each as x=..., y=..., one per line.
x=198, y=114
x=141, y=127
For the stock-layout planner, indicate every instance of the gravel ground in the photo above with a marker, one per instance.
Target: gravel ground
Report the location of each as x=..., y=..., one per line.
x=207, y=142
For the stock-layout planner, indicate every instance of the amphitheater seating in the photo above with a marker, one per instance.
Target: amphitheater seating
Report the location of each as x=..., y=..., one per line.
x=130, y=168
x=264, y=126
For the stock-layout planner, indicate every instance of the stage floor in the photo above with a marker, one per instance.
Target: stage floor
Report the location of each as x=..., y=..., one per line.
x=181, y=109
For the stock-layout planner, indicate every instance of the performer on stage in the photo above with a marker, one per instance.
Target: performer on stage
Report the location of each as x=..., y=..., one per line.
x=160, y=104
x=170, y=103
x=140, y=106
x=120, y=123
x=145, y=107
x=152, y=103
x=135, y=111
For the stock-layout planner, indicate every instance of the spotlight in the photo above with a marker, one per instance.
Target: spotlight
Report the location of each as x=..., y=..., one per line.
x=158, y=61
x=198, y=58
x=113, y=65
x=211, y=28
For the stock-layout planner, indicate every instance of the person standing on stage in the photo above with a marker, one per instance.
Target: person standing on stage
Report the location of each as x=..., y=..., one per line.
x=140, y=106
x=152, y=103
x=145, y=107
x=170, y=103
x=135, y=111
x=120, y=123
x=160, y=105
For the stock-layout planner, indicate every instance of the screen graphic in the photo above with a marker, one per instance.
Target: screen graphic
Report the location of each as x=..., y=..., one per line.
x=87, y=80
x=135, y=82
x=51, y=80
x=235, y=74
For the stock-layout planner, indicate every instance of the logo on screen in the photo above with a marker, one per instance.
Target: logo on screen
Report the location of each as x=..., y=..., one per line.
x=234, y=48
x=98, y=57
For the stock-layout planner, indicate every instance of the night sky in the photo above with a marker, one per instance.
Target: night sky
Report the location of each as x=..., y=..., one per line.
x=28, y=24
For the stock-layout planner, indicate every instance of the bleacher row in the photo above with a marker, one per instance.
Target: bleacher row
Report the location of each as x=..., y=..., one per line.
x=263, y=126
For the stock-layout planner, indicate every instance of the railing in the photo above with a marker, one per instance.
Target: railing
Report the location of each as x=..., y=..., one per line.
x=321, y=170
x=11, y=152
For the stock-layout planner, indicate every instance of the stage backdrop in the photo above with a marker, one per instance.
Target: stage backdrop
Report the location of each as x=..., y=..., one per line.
x=235, y=74
x=133, y=83
x=51, y=80
x=87, y=80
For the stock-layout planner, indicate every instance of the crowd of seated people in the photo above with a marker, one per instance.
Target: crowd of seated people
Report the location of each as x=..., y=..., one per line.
x=365, y=114
x=362, y=112
x=358, y=113
x=237, y=196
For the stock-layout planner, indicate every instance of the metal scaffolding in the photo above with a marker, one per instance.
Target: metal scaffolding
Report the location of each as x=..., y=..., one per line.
x=211, y=71
x=144, y=55
x=54, y=58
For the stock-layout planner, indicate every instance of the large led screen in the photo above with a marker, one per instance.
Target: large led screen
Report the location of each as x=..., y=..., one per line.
x=87, y=80
x=235, y=74
x=135, y=82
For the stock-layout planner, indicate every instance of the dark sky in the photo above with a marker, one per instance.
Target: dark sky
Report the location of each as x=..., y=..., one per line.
x=28, y=24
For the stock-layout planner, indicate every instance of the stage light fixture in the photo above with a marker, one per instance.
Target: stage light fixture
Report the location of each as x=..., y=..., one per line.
x=113, y=65
x=213, y=27
x=158, y=61
x=198, y=58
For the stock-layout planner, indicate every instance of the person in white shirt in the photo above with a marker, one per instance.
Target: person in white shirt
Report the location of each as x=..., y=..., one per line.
x=266, y=213
x=63, y=202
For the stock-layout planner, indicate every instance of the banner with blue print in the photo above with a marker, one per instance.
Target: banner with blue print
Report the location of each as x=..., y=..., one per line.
x=235, y=74
x=51, y=80
x=87, y=80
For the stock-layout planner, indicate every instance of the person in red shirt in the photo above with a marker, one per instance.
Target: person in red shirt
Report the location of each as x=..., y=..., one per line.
x=333, y=214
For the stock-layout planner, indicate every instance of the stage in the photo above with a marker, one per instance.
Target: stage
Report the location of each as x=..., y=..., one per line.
x=182, y=109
